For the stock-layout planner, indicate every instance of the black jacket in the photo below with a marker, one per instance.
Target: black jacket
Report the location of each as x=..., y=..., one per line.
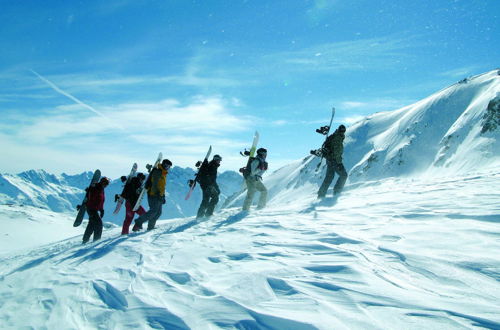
x=132, y=190
x=207, y=174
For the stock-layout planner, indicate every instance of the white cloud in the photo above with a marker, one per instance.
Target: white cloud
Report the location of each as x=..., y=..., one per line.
x=352, y=104
x=459, y=72
x=374, y=105
x=352, y=119
x=65, y=136
x=320, y=10
x=353, y=55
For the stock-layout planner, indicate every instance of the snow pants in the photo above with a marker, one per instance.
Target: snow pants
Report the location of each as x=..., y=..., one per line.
x=331, y=169
x=154, y=212
x=210, y=199
x=93, y=227
x=129, y=215
x=253, y=185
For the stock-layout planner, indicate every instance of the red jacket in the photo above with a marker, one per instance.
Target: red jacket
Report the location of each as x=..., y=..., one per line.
x=95, y=197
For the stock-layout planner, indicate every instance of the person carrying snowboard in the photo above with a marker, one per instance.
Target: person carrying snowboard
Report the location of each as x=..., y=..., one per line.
x=95, y=209
x=155, y=185
x=131, y=193
x=253, y=178
x=207, y=176
x=332, y=151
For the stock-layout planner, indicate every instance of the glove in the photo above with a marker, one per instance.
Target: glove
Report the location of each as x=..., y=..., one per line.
x=163, y=201
x=78, y=207
x=101, y=213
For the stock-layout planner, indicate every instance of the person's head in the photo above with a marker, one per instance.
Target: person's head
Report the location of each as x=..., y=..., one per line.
x=262, y=152
x=217, y=159
x=166, y=164
x=341, y=129
x=141, y=176
x=104, y=181
x=123, y=178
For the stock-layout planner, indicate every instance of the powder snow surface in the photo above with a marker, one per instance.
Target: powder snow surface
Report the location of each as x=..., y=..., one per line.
x=395, y=254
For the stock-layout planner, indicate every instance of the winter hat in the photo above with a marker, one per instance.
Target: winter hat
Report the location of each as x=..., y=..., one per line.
x=217, y=157
x=166, y=163
x=261, y=151
x=342, y=128
x=104, y=180
x=141, y=176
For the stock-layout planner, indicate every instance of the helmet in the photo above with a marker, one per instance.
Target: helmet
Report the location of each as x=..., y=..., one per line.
x=104, y=181
x=261, y=151
x=217, y=157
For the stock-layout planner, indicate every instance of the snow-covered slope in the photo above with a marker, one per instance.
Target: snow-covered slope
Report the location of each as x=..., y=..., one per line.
x=398, y=254
x=443, y=133
x=62, y=193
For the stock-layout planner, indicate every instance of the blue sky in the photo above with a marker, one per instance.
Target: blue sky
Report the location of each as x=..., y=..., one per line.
x=103, y=84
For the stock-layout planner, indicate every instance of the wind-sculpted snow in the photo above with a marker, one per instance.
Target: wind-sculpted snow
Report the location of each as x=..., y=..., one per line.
x=397, y=254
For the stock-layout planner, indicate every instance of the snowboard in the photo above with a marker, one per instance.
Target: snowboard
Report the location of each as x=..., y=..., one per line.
x=83, y=207
x=120, y=197
x=254, y=144
x=325, y=130
x=193, y=184
x=143, y=189
x=251, y=152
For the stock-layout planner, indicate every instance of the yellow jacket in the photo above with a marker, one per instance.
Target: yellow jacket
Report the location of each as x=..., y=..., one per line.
x=158, y=181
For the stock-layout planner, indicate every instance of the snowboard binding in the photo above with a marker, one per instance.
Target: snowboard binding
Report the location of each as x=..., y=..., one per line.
x=245, y=153
x=323, y=130
x=317, y=153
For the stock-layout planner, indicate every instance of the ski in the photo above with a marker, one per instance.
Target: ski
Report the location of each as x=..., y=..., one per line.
x=120, y=199
x=143, y=188
x=325, y=130
x=83, y=207
x=192, y=183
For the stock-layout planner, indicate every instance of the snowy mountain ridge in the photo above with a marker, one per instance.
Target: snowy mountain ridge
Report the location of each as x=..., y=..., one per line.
x=443, y=133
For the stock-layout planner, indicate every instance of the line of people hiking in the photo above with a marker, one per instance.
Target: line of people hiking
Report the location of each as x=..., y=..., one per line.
x=332, y=150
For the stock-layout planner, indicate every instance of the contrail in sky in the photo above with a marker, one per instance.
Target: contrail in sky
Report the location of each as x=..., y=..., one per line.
x=60, y=91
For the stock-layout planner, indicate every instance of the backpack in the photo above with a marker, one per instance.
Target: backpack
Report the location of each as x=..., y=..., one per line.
x=326, y=148
x=246, y=170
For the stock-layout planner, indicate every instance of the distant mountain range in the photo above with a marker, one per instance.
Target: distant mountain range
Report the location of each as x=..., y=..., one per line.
x=61, y=193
